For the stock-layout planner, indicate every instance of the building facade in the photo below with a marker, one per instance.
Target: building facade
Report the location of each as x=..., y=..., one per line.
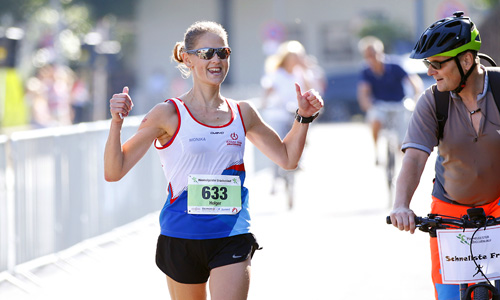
x=329, y=30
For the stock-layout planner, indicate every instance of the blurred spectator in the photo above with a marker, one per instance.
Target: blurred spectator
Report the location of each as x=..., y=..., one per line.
x=318, y=80
x=49, y=93
x=288, y=66
x=80, y=98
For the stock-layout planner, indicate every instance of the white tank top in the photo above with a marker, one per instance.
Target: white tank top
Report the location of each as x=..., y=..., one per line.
x=197, y=148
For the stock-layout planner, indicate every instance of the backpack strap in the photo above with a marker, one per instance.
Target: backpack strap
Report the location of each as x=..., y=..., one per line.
x=494, y=82
x=442, y=102
x=442, y=99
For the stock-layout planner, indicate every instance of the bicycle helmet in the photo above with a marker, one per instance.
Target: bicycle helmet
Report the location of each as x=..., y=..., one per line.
x=449, y=37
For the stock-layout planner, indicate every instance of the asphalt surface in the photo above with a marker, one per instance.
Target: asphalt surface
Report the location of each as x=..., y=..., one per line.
x=334, y=243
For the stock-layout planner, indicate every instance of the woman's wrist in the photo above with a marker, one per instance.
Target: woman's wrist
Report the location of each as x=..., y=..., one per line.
x=299, y=117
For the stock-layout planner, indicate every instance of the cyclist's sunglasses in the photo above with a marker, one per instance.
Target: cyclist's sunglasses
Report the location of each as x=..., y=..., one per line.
x=208, y=53
x=436, y=64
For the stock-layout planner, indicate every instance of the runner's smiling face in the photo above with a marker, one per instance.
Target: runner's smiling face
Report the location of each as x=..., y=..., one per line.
x=214, y=70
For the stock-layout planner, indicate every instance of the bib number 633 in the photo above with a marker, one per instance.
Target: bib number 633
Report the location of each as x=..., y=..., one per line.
x=214, y=194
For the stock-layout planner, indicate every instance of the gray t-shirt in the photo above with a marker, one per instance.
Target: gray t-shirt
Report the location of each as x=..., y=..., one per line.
x=468, y=163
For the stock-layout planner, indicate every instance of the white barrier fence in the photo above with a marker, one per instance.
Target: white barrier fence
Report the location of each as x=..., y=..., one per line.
x=4, y=246
x=53, y=194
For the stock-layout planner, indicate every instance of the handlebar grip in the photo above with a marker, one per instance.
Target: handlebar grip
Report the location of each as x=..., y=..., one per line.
x=418, y=220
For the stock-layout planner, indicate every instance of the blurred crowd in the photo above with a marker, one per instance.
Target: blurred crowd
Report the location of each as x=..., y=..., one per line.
x=57, y=95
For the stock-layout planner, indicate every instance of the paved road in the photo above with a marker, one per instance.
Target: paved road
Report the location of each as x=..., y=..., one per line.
x=333, y=245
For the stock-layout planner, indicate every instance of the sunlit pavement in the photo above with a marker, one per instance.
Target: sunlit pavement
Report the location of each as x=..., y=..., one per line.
x=334, y=244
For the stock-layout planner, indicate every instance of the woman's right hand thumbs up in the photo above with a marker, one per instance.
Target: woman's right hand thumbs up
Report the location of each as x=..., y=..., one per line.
x=121, y=104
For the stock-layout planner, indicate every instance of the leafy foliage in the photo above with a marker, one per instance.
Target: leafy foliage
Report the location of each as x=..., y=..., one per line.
x=22, y=10
x=388, y=32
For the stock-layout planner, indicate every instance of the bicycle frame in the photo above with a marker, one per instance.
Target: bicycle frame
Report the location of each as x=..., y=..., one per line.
x=390, y=132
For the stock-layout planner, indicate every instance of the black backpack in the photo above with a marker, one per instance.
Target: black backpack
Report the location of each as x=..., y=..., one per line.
x=442, y=99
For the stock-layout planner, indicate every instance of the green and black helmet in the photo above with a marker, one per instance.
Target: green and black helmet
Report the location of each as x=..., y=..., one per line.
x=449, y=37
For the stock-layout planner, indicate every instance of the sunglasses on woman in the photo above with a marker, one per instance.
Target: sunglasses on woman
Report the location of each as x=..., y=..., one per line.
x=436, y=64
x=208, y=53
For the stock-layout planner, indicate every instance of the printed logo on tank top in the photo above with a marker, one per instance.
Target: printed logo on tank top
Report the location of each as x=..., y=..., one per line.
x=234, y=140
x=197, y=139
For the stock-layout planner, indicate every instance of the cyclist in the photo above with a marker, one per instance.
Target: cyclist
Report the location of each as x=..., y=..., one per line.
x=381, y=89
x=468, y=151
x=200, y=137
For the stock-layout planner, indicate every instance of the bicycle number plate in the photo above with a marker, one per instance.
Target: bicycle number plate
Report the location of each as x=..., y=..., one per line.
x=214, y=194
x=457, y=262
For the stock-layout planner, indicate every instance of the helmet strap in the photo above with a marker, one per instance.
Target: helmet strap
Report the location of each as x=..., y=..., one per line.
x=462, y=75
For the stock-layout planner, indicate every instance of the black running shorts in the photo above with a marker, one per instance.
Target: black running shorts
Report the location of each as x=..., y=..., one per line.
x=190, y=261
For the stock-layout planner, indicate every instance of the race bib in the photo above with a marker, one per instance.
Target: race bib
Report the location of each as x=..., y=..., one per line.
x=214, y=194
x=457, y=265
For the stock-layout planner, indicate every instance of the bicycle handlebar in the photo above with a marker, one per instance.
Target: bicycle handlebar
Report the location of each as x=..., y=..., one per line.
x=437, y=221
x=475, y=218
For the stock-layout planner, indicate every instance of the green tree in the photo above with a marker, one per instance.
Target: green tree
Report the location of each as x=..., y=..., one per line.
x=388, y=32
x=22, y=10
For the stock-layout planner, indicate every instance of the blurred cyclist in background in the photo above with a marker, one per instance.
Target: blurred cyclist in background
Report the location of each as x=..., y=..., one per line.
x=381, y=88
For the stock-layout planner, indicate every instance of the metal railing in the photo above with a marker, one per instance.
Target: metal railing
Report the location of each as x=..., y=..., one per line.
x=53, y=194
x=3, y=206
